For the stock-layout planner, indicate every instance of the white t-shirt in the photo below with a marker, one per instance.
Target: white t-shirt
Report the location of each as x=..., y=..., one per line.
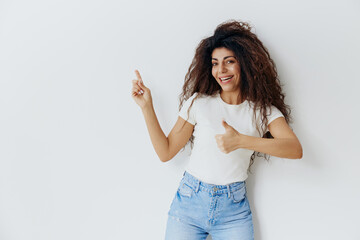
x=207, y=162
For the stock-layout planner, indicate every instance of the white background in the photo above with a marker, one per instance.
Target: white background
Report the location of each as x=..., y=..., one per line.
x=76, y=161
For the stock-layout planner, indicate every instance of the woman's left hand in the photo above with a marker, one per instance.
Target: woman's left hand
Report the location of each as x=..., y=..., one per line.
x=230, y=140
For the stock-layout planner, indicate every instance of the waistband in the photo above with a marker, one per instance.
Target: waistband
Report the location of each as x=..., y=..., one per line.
x=197, y=185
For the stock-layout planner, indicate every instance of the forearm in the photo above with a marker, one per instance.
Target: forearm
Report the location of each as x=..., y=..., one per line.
x=157, y=136
x=278, y=147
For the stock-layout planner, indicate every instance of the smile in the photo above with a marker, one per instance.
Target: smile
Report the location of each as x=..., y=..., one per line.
x=225, y=79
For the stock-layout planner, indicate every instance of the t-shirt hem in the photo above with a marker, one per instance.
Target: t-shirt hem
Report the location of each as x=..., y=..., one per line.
x=239, y=179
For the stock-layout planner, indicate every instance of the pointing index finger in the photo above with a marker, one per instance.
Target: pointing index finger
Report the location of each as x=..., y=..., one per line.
x=138, y=75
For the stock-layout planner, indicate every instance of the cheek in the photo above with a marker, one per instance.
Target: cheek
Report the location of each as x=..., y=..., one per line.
x=235, y=69
x=213, y=73
x=238, y=70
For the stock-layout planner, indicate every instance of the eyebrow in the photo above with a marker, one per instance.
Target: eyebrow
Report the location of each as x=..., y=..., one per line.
x=224, y=57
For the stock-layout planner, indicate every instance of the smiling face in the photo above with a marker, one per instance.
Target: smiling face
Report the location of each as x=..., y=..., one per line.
x=226, y=69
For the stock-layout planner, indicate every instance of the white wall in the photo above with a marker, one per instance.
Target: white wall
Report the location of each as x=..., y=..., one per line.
x=76, y=161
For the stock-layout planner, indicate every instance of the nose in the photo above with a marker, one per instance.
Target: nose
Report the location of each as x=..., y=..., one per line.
x=222, y=68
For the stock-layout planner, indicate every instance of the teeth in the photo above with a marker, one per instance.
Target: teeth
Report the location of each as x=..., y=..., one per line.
x=224, y=79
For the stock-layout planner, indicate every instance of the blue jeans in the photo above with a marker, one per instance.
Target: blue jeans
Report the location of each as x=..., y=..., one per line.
x=199, y=209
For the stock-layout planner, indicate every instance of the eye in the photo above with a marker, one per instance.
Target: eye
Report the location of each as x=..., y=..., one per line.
x=214, y=63
x=230, y=61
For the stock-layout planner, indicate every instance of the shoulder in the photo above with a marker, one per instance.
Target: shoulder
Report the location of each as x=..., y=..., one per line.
x=269, y=109
x=207, y=98
x=272, y=112
x=200, y=98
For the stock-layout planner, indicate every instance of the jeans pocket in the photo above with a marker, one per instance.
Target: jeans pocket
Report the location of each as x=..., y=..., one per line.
x=238, y=195
x=185, y=190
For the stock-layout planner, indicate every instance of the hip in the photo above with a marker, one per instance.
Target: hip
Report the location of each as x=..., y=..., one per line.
x=206, y=205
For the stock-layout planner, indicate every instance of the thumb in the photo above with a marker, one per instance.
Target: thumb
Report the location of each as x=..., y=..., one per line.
x=225, y=124
x=141, y=84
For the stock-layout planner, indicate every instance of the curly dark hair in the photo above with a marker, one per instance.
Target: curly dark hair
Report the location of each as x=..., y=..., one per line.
x=259, y=81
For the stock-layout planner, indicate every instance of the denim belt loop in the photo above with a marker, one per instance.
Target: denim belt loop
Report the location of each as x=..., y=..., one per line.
x=228, y=188
x=197, y=185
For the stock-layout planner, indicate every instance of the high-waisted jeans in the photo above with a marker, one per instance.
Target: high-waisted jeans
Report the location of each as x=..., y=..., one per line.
x=199, y=209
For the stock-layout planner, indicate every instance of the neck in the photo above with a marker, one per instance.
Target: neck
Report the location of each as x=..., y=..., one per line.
x=233, y=98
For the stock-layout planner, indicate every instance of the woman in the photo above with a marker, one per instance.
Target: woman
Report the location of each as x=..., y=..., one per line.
x=231, y=106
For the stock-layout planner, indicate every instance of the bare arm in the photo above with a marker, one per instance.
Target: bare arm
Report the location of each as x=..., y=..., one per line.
x=285, y=143
x=165, y=147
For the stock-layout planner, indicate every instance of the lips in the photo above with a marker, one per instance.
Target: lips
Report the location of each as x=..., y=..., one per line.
x=225, y=79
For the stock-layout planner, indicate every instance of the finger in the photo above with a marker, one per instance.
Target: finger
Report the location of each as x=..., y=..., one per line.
x=135, y=81
x=136, y=89
x=136, y=84
x=142, y=87
x=137, y=93
x=138, y=75
x=140, y=81
x=134, y=94
x=141, y=84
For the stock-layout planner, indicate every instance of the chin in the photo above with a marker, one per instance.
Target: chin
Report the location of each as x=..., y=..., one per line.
x=228, y=89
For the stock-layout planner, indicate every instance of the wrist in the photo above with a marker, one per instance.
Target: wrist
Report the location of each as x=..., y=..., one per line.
x=147, y=108
x=242, y=140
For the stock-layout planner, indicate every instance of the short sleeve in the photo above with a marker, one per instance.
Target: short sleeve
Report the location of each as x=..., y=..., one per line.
x=275, y=113
x=183, y=113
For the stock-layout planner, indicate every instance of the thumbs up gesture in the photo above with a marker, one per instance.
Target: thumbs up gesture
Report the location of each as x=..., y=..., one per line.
x=230, y=140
